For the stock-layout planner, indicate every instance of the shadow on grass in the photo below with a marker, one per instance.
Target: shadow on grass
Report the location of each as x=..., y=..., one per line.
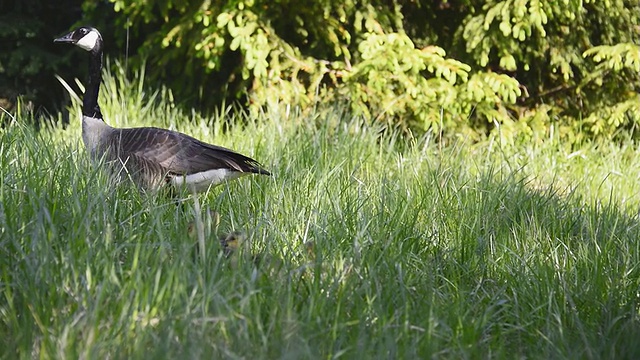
x=491, y=265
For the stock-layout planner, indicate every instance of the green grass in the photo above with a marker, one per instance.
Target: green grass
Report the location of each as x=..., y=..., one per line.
x=466, y=251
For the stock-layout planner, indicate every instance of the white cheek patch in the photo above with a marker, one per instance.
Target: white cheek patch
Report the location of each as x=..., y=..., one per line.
x=202, y=180
x=88, y=42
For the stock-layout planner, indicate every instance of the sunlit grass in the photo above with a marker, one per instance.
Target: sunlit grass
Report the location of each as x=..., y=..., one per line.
x=365, y=248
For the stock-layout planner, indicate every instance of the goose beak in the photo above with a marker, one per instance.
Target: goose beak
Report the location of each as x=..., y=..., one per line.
x=68, y=38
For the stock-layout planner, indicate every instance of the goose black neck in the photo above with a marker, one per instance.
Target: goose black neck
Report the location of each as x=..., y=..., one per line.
x=90, y=105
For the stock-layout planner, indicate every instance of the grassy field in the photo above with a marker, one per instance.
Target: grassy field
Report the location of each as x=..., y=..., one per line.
x=358, y=246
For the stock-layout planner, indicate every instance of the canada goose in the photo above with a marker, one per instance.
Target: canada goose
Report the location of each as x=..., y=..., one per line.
x=151, y=156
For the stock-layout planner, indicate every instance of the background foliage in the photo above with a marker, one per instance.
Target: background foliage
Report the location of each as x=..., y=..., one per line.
x=28, y=58
x=527, y=67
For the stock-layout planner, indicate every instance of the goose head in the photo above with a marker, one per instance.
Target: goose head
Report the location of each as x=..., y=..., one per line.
x=85, y=37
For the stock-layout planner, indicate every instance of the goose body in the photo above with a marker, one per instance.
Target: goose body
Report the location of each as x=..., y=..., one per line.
x=152, y=157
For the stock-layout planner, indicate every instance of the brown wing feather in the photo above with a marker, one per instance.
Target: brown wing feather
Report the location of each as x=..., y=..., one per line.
x=179, y=153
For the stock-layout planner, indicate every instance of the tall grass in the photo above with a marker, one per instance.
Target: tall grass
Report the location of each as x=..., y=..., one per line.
x=357, y=246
